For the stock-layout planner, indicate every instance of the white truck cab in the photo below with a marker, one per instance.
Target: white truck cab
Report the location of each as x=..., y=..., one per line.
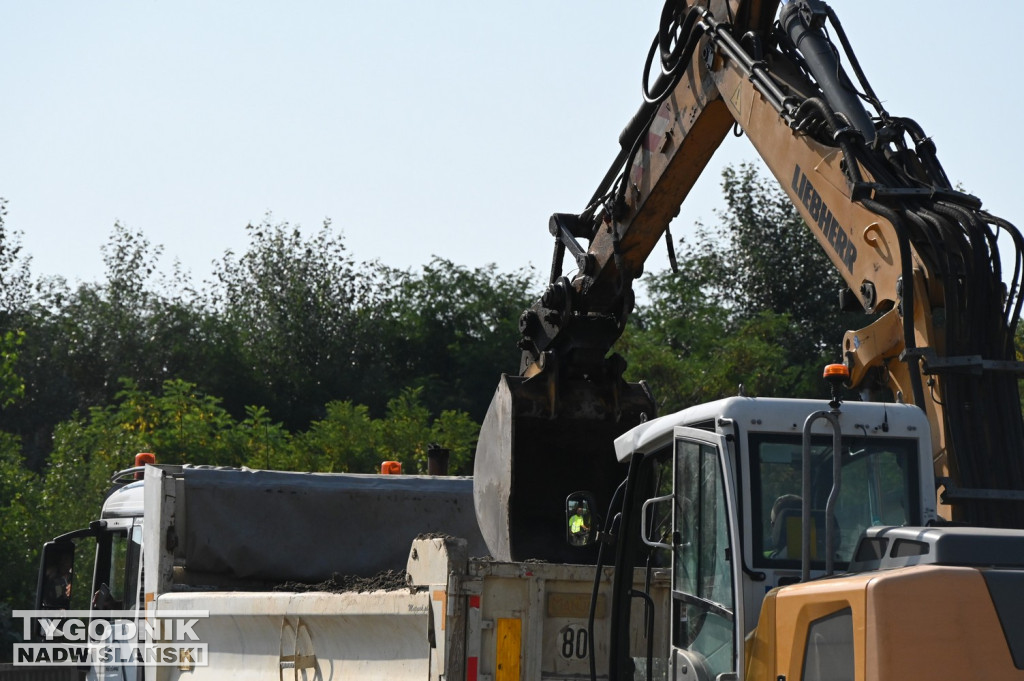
x=114, y=591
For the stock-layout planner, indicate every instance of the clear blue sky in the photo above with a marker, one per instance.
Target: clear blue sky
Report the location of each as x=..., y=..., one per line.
x=418, y=128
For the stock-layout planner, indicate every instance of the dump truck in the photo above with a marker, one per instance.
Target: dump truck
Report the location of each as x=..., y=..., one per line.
x=299, y=575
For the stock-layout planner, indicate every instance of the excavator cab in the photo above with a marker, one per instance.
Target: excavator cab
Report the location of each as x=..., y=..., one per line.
x=714, y=501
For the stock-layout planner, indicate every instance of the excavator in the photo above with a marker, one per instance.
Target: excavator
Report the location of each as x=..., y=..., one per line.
x=919, y=256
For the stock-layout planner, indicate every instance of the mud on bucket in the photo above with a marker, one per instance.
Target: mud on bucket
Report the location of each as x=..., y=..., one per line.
x=537, y=445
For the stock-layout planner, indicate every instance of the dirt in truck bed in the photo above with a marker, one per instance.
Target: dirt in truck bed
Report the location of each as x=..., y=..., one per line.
x=389, y=580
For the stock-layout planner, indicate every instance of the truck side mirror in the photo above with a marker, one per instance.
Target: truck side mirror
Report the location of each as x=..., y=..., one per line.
x=56, y=575
x=580, y=528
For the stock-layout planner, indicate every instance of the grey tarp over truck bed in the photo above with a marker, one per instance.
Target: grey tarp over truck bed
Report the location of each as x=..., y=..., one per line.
x=271, y=525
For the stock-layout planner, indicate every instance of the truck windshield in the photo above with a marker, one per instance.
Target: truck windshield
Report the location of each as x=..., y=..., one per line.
x=879, y=487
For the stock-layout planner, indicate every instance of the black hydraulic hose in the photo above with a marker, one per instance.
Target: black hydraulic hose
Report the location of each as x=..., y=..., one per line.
x=980, y=247
x=1014, y=297
x=986, y=306
x=593, y=604
x=993, y=246
x=663, y=85
x=925, y=148
x=820, y=58
x=959, y=281
x=854, y=63
x=946, y=241
x=947, y=244
x=633, y=133
x=882, y=171
x=835, y=126
x=980, y=323
x=649, y=624
x=669, y=32
x=931, y=226
x=906, y=268
x=914, y=128
x=612, y=519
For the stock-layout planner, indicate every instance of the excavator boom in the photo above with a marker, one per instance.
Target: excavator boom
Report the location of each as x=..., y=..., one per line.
x=918, y=255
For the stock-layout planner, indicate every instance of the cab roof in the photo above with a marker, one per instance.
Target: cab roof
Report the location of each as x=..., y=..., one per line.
x=771, y=414
x=124, y=502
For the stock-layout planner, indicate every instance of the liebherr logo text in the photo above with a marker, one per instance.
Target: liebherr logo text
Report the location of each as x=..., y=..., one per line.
x=115, y=637
x=823, y=218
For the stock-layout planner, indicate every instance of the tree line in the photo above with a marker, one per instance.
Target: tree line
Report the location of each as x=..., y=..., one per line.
x=291, y=324
x=295, y=355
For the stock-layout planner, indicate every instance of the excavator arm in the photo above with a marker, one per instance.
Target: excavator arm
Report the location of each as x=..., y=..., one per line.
x=917, y=254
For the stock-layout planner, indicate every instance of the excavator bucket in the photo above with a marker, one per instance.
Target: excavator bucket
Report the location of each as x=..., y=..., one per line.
x=541, y=440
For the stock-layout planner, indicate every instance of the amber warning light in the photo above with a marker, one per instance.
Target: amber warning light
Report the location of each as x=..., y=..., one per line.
x=836, y=371
x=391, y=468
x=836, y=375
x=142, y=459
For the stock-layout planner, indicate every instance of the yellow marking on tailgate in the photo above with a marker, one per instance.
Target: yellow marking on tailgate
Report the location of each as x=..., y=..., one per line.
x=510, y=640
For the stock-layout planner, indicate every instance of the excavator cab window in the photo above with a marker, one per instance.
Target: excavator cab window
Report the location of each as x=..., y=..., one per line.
x=702, y=580
x=879, y=486
x=658, y=522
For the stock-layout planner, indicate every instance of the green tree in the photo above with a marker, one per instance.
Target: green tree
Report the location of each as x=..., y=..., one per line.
x=765, y=259
x=754, y=303
x=12, y=386
x=20, y=495
x=15, y=273
x=344, y=441
x=294, y=309
x=290, y=324
x=20, y=531
x=451, y=331
x=80, y=342
x=350, y=440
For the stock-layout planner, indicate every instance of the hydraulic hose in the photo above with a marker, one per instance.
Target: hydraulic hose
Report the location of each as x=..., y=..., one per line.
x=612, y=517
x=671, y=71
x=821, y=60
x=854, y=62
x=907, y=274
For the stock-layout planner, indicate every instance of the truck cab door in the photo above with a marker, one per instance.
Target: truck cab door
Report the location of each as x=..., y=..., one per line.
x=116, y=592
x=706, y=614
x=116, y=576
